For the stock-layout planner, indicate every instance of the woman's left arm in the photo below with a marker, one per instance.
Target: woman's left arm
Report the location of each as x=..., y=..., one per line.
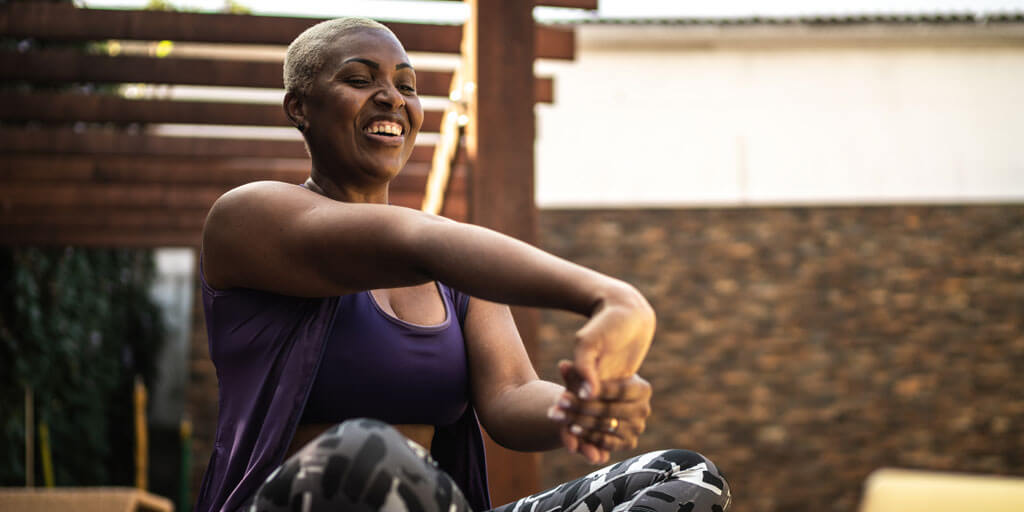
x=519, y=410
x=511, y=401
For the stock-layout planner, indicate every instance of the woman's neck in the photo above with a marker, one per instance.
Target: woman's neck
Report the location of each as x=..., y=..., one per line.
x=349, y=194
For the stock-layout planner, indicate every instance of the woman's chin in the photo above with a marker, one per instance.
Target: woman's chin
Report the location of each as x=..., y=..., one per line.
x=384, y=171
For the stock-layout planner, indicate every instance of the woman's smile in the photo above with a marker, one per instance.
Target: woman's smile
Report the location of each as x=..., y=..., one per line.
x=385, y=132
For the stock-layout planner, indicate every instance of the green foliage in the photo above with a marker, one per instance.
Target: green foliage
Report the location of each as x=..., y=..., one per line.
x=229, y=7
x=76, y=325
x=160, y=5
x=233, y=7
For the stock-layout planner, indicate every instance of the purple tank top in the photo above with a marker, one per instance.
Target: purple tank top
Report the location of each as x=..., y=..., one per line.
x=267, y=350
x=378, y=366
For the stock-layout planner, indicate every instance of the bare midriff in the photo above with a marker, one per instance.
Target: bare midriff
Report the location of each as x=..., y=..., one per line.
x=421, y=434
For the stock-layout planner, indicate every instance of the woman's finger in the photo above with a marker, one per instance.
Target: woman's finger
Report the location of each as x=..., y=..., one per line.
x=571, y=376
x=625, y=390
x=571, y=442
x=603, y=440
x=604, y=409
x=618, y=427
x=594, y=454
x=630, y=388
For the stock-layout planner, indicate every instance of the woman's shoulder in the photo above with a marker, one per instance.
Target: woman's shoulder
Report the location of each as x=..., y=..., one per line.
x=262, y=191
x=257, y=198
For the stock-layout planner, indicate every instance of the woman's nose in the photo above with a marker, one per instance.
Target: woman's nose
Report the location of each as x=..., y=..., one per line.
x=388, y=96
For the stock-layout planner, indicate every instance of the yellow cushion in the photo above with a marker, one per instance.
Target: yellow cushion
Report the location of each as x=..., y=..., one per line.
x=901, y=490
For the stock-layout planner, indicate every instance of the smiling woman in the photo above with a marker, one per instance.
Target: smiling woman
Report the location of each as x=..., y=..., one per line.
x=352, y=92
x=350, y=336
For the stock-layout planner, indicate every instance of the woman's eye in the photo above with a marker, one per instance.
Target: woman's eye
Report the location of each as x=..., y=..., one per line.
x=407, y=88
x=357, y=81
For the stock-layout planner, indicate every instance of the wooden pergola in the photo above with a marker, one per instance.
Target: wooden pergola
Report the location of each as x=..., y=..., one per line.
x=84, y=166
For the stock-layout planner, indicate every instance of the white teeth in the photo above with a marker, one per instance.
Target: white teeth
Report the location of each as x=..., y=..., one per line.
x=384, y=127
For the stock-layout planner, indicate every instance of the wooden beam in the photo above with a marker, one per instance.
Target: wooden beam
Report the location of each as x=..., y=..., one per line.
x=108, y=141
x=226, y=172
x=446, y=153
x=144, y=226
x=51, y=66
x=107, y=225
x=138, y=218
x=104, y=108
x=111, y=141
x=149, y=170
x=44, y=20
x=571, y=4
x=35, y=195
x=110, y=217
x=499, y=61
x=99, y=237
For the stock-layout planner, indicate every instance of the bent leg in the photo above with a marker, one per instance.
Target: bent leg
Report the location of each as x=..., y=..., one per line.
x=360, y=465
x=661, y=481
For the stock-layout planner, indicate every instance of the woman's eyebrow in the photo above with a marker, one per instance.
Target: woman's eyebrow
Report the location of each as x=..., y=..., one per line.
x=375, y=65
x=361, y=60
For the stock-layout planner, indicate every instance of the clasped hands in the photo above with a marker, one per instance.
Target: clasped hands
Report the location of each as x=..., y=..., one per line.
x=594, y=426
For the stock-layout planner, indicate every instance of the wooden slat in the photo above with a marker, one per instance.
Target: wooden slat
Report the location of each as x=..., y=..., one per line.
x=125, y=218
x=20, y=195
x=142, y=217
x=134, y=236
x=92, y=218
x=102, y=108
x=99, y=237
x=108, y=200
x=571, y=4
x=44, y=20
x=121, y=142
x=136, y=227
x=150, y=170
x=53, y=66
x=181, y=171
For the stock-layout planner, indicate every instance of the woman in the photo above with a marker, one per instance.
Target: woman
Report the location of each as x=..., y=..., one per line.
x=325, y=304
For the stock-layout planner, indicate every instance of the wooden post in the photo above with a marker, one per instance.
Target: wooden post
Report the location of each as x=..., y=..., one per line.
x=499, y=142
x=141, y=436
x=30, y=445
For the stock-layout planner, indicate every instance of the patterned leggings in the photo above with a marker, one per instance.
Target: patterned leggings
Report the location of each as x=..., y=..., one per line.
x=365, y=465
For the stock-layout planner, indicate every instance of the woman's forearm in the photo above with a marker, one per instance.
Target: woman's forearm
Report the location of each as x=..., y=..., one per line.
x=519, y=419
x=499, y=268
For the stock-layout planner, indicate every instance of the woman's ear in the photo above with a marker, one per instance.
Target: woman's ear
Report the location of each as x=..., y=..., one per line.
x=295, y=109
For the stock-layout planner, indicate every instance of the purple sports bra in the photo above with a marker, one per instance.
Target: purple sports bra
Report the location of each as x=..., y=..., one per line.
x=378, y=366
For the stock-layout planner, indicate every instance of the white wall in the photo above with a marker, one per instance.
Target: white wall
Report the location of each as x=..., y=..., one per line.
x=173, y=290
x=652, y=122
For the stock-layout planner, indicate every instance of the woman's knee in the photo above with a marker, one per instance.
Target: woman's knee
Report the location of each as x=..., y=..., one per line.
x=688, y=459
x=357, y=463
x=695, y=469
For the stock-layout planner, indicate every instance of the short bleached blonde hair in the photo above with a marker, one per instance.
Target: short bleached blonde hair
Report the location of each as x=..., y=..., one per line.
x=307, y=52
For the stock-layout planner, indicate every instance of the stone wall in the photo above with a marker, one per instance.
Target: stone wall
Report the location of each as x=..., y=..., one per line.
x=801, y=348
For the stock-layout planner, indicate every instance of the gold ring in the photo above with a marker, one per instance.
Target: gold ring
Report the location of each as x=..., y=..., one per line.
x=613, y=424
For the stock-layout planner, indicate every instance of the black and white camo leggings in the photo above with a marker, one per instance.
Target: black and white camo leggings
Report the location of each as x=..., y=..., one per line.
x=366, y=465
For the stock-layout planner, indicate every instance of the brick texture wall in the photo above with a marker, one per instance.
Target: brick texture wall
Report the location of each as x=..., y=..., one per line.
x=801, y=348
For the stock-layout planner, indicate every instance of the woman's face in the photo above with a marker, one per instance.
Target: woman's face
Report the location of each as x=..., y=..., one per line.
x=362, y=112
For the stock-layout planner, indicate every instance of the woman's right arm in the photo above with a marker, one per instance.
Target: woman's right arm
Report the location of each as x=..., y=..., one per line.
x=283, y=238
